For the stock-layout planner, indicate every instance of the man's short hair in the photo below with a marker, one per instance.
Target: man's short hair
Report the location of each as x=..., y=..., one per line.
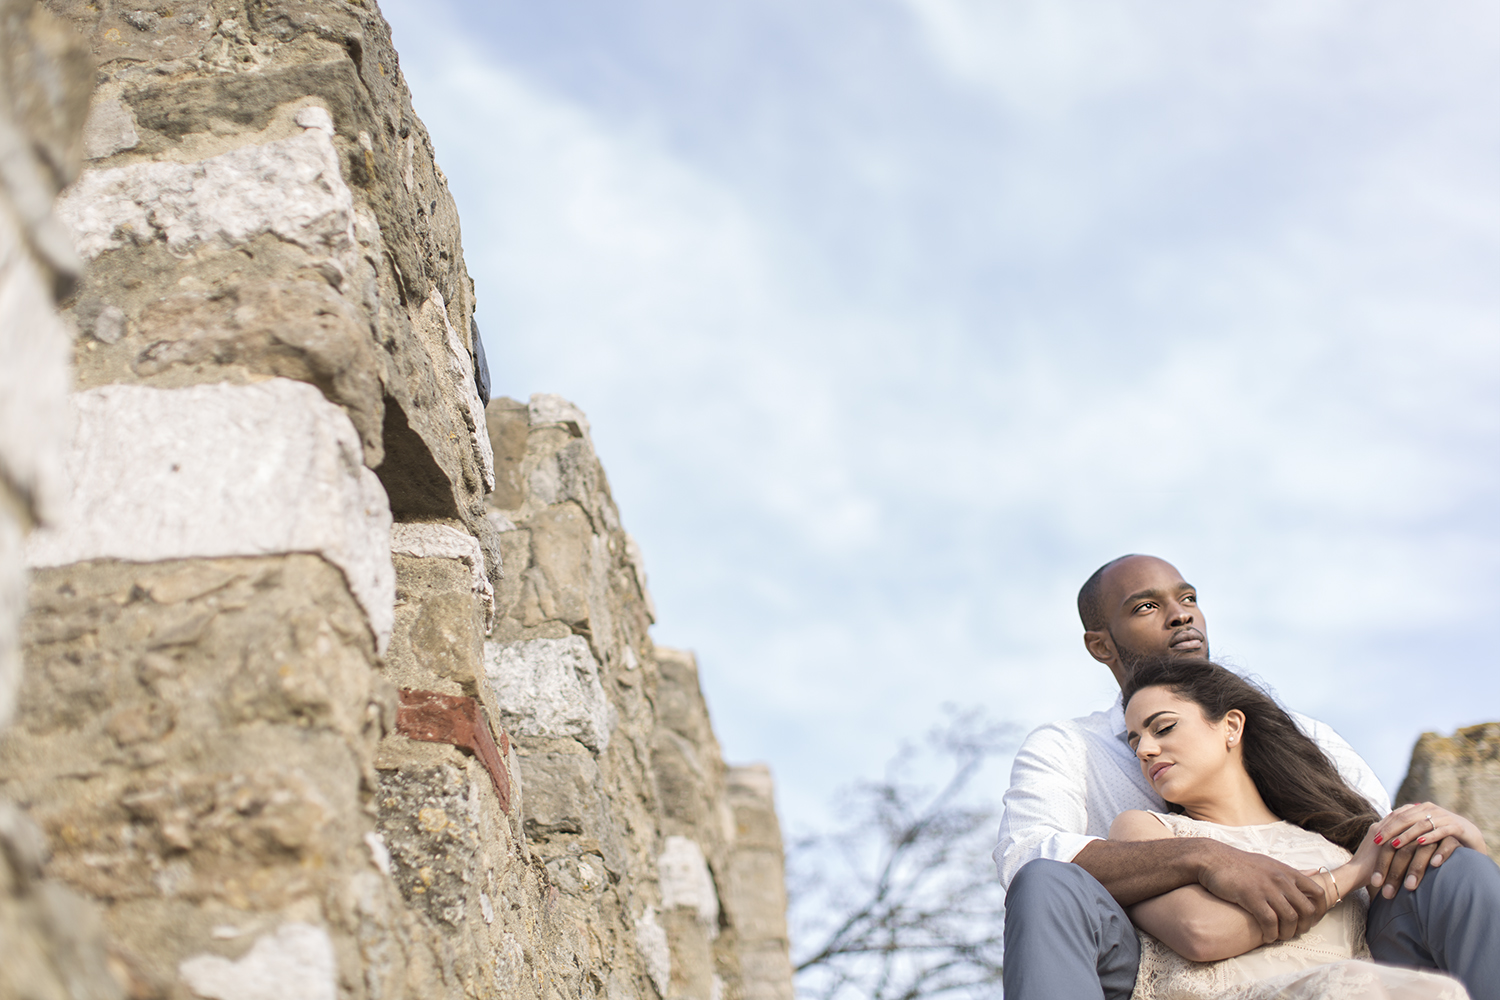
x=1090, y=603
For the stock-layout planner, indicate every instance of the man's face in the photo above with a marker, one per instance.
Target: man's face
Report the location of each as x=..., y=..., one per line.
x=1153, y=611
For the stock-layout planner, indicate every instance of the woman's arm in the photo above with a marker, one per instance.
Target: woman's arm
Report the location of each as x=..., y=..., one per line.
x=1190, y=920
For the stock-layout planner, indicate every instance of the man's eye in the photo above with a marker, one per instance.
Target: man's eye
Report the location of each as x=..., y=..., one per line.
x=1148, y=604
x=1190, y=599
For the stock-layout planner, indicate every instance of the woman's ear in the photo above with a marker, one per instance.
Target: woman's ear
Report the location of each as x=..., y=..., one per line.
x=1234, y=728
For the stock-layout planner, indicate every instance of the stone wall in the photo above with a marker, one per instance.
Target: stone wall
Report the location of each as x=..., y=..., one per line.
x=1459, y=772
x=337, y=682
x=51, y=945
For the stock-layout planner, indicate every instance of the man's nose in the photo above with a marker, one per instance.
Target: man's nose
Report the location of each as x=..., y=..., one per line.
x=1181, y=615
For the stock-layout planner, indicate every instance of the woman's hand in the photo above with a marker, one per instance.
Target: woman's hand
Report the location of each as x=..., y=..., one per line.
x=1353, y=874
x=1413, y=836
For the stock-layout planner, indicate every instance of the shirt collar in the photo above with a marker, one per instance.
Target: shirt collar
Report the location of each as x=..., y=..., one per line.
x=1117, y=721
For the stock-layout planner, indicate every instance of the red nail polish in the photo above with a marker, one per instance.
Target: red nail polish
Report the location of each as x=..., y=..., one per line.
x=1379, y=838
x=1396, y=843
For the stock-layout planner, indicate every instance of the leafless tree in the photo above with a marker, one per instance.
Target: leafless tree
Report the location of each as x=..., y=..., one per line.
x=902, y=901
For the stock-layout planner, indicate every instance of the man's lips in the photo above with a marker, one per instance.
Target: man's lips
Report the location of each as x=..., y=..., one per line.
x=1188, y=638
x=1157, y=769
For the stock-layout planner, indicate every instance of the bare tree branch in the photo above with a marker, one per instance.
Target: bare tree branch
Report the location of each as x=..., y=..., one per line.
x=902, y=903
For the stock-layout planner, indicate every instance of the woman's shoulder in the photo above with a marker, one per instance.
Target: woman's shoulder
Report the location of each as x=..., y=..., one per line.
x=1140, y=824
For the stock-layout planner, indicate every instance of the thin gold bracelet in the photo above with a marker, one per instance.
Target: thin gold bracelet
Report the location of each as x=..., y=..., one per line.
x=1338, y=896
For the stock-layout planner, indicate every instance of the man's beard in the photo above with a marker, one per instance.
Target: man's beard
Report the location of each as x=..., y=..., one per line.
x=1130, y=658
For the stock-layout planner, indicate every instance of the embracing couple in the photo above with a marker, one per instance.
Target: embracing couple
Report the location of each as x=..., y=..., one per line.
x=1199, y=841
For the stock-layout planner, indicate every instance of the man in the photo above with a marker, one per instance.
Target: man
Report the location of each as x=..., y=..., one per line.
x=1067, y=935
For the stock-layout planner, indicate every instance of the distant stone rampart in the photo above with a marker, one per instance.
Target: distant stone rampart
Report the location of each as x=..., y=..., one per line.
x=1459, y=772
x=335, y=682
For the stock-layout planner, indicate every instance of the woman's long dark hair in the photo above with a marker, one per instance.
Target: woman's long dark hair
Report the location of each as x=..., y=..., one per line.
x=1295, y=778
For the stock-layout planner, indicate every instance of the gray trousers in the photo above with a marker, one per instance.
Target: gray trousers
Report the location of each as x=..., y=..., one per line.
x=1067, y=939
x=1452, y=923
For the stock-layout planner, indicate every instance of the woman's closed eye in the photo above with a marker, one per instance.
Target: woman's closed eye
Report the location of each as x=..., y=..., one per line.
x=1165, y=729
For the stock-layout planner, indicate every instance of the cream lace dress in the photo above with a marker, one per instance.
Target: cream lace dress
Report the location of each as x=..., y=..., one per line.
x=1329, y=962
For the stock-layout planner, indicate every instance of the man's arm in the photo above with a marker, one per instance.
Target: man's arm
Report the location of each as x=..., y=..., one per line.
x=1188, y=918
x=1281, y=901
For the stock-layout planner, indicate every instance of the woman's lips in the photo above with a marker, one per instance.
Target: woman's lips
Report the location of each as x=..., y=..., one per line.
x=1157, y=769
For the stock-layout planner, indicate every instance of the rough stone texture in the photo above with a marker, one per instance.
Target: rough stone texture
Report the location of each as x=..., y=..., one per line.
x=51, y=944
x=261, y=201
x=1459, y=772
x=442, y=541
x=641, y=824
x=306, y=576
x=223, y=470
x=550, y=687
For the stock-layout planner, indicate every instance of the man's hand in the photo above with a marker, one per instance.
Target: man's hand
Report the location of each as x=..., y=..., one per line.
x=1414, y=836
x=1282, y=900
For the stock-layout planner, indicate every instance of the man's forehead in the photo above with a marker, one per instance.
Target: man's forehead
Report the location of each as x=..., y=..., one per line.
x=1141, y=574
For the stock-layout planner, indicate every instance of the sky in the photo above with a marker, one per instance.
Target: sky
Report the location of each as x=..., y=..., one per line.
x=894, y=319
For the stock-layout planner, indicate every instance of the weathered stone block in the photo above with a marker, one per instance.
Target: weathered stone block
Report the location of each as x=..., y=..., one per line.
x=219, y=470
x=292, y=188
x=563, y=794
x=561, y=576
x=430, y=830
x=443, y=541
x=686, y=882
x=508, y=424
x=550, y=687
x=294, y=963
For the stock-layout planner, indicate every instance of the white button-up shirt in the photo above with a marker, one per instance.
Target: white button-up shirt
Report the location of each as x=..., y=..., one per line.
x=1071, y=779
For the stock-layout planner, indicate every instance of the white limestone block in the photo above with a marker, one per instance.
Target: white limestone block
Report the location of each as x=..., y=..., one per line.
x=295, y=963
x=224, y=470
x=656, y=953
x=291, y=187
x=687, y=882
x=550, y=687
x=443, y=541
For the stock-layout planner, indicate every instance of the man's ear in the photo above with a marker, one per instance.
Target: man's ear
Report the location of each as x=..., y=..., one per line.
x=1101, y=646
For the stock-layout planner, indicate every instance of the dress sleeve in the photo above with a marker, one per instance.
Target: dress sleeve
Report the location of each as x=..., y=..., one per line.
x=1046, y=806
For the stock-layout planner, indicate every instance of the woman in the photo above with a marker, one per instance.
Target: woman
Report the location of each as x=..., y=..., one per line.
x=1232, y=765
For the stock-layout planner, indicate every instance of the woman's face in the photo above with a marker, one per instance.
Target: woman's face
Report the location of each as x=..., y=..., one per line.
x=1184, y=755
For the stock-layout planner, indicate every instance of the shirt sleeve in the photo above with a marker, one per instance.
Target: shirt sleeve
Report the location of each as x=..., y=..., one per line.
x=1046, y=811
x=1351, y=766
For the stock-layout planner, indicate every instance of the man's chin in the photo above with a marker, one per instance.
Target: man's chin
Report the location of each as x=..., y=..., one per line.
x=1197, y=650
